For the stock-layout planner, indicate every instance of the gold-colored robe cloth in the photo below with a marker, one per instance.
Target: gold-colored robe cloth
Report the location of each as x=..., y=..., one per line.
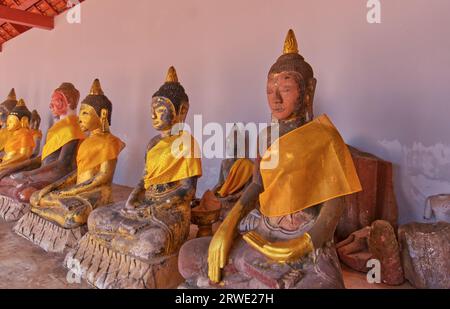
x=240, y=174
x=61, y=133
x=314, y=166
x=171, y=159
x=97, y=149
x=22, y=138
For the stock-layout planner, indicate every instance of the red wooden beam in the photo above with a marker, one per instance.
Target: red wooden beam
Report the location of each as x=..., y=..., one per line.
x=24, y=18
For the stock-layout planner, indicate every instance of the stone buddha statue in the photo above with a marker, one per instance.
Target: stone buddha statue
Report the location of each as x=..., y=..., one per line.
x=5, y=108
x=236, y=171
x=63, y=207
x=18, y=183
x=142, y=236
x=298, y=181
x=20, y=143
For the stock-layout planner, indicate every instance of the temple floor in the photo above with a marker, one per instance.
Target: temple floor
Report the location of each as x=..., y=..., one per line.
x=24, y=265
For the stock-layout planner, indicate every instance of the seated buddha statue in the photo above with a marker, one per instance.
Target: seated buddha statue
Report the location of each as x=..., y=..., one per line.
x=65, y=204
x=57, y=159
x=236, y=171
x=288, y=241
x=20, y=143
x=5, y=108
x=35, y=123
x=148, y=230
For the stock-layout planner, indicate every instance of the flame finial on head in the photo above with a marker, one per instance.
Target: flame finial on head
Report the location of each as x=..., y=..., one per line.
x=172, y=75
x=20, y=103
x=290, y=44
x=96, y=88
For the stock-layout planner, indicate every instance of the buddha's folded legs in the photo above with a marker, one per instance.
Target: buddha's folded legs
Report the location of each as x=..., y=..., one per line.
x=248, y=268
x=72, y=212
x=142, y=238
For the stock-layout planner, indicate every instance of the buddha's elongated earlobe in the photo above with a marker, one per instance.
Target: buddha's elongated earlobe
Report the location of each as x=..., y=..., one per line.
x=104, y=120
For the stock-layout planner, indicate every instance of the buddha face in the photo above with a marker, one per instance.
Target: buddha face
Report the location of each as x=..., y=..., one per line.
x=89, y=120
x=283, y=93
x=163, y=114
x=13, y=123
x=59, y=104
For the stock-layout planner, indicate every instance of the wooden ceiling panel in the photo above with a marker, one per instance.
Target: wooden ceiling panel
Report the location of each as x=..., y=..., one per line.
x=12, y=28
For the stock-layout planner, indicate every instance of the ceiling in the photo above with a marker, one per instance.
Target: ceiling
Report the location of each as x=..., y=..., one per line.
x=18, y=16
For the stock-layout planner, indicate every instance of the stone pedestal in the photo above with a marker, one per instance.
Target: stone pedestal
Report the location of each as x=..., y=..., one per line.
x=106, y=269
x=11, y=210
x=376, y=201
x=425, y=251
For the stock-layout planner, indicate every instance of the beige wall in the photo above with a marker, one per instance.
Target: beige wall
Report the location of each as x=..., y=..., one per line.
x=385, y=86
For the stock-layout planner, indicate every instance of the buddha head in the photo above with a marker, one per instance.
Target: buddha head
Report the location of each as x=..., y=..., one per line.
x=170, y=104
x=7, y=106
x=291, y=84
x=19, y=117
x=95, y=110
x=64, y=100
x=35, y=121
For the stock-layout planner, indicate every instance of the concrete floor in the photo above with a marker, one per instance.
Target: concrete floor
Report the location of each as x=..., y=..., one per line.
x=24, y=265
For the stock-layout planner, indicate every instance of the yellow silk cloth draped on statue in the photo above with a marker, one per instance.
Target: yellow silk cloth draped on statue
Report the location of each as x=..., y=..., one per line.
x=61, y=133
x=97, y=149
x=171, y=159
x=22, y=138
x=314, y=166
x=4, y=135
x=240, y=174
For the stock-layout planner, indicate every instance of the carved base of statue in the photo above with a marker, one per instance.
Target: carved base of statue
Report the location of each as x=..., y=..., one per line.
x=107, y=269
x=11, y=209
x=46, y=234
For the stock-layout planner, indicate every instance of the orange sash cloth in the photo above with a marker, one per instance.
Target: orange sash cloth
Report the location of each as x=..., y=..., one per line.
x=314, y=166
x=171, y=159
x=97, y=149
x=4, y=135
x=240, y=174
x=61, y=133
x=22, y=138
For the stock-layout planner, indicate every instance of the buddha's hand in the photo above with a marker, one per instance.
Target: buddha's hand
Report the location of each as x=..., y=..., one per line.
x=283, y=251
x=221, y=243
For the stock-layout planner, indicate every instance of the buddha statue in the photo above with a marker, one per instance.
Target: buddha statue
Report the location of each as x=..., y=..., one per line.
x=18, y=183
x=20, y=143
x=5, y=108
x=298, y=181
x=140, y=239
x=60, y=210
x=236, y=171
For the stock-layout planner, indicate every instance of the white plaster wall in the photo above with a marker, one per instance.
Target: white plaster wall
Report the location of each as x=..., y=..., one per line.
x=386, y=86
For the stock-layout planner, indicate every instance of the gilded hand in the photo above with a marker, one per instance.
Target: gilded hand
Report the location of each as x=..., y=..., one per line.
x=221, y=243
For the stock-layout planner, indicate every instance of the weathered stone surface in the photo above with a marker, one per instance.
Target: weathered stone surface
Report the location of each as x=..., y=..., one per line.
x=11, y=210
x=354, y=250
x=376, y=201
x=384, y=247
x=48, y=235
x=105, y=269
x=425, y=251
x=375, y=242
x=438, y=208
